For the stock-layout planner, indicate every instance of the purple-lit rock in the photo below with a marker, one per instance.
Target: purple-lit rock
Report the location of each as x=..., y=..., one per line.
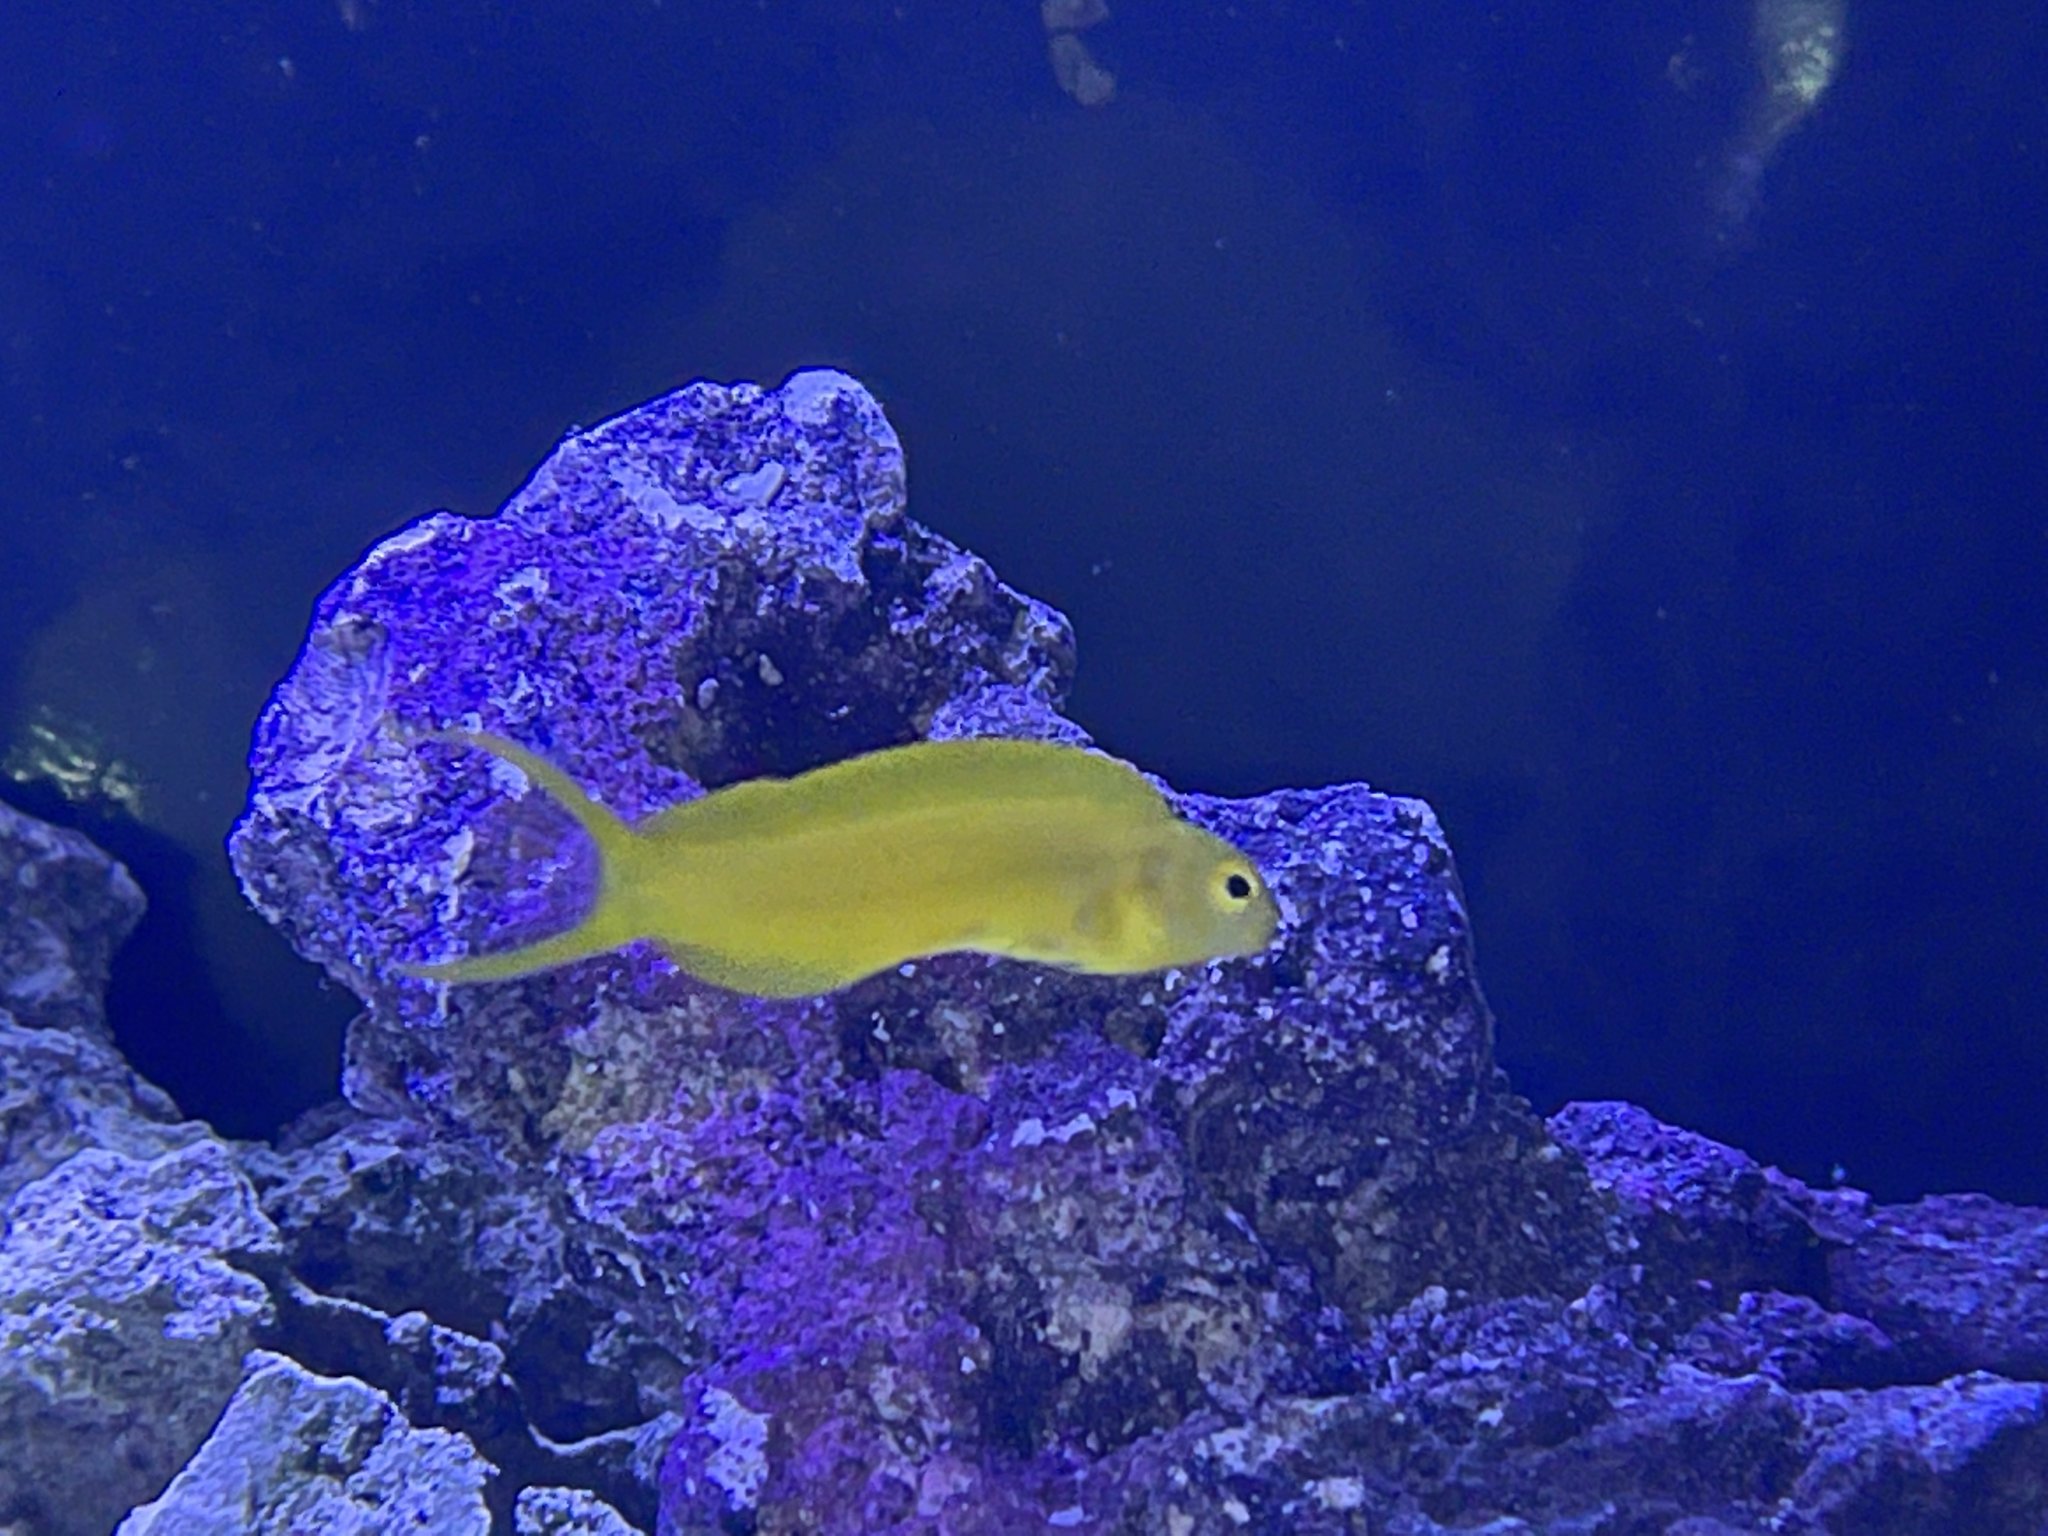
x=64, y=1092
x=65, y=907
x=354, y=1465
x=976, y=1247
x=129, y=1293
x=1960, y=1281
x=718, y=585
x=725, y=583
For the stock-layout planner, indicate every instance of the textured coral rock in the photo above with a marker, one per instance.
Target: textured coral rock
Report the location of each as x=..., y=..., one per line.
x=726, y=583
x=129, y=1240
x=126, y=1305
x=969, y=1249
x=566, y=1512
x=299, y=1452
x=718, y=585
x=977, y=1246
x=1960, y=1281
x=61, y=1092
x=472, y=1297
x=64, y=910
x=1949, y=1284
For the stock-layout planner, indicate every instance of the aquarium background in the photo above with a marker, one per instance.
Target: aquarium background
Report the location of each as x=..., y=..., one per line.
x=1392, y=393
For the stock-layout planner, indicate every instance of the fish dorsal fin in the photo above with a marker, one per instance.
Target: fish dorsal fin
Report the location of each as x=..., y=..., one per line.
x=898, y=781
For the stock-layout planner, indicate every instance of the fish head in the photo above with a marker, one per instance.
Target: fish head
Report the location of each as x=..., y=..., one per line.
x=1208, y=899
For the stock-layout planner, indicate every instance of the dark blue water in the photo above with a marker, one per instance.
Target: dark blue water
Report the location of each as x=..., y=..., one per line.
x=1430, y=395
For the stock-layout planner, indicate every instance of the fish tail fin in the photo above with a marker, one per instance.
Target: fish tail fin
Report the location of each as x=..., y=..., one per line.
x=593, y=936
x=605, y=829
x=609, y=923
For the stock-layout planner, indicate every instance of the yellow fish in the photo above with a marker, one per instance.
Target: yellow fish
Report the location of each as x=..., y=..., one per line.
x=791, y=887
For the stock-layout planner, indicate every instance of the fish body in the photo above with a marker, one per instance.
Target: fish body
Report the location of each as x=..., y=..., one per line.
x=791, y=887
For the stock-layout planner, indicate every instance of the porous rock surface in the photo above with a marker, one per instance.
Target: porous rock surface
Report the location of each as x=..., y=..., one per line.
x=65, y=907
x=313, y=1454
x=975, y=1247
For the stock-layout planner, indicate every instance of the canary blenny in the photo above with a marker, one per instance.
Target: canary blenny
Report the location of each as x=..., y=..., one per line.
x=791, y=887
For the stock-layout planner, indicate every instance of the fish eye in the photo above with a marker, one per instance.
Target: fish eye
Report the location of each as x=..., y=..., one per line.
x=1236, y=886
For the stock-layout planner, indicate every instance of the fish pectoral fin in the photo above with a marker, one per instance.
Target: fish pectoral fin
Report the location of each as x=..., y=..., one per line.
x=760, y=975
x=1098, y=918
